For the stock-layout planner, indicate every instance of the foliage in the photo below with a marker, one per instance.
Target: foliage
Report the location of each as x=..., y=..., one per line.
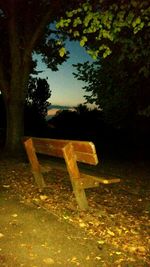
x=120, y=30
x=81, y=109
x=38, y=95
x=36, y=105
x=116, y=88
x=97, y=24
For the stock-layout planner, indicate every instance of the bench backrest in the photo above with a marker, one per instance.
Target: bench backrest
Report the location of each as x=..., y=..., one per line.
x=84, y=151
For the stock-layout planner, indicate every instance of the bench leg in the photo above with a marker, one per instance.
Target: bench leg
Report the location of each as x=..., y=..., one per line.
x=74, y=174
x=39, y=179
x=36, y=170
x=80, y=195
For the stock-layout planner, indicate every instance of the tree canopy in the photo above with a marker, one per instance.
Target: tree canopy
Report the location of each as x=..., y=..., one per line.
x=115, y=88
x=117, y=35
x=99, y=24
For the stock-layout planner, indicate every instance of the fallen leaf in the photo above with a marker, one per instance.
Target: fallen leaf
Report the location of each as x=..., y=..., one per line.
x=48, y=261
x=23, y=245
x=6, y=185
x=1, y=235
x=66, y=217
x=82, y=224
x=98, y=258
x=75, y=260
x=141, y=249
x=14, y=215
x=43, y=197
x=110, y=232
x=101, y=242
x=36, y=199
x=118, y=252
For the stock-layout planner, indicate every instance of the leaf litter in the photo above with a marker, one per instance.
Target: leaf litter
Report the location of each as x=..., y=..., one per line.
x=118, y=214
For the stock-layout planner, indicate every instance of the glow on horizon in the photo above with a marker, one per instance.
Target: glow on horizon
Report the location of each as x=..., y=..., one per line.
x=66, y=90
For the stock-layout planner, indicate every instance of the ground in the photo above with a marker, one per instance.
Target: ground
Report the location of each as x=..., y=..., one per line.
x=115, y=228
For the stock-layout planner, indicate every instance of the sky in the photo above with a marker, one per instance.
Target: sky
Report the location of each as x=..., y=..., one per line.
x=66, y=90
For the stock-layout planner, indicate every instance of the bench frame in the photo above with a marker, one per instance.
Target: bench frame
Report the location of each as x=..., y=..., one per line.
x=71, y=151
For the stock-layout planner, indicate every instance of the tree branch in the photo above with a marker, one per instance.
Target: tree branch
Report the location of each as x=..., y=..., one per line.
x=39, y=30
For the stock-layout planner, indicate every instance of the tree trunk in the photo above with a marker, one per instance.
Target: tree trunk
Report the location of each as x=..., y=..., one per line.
x=15, y=125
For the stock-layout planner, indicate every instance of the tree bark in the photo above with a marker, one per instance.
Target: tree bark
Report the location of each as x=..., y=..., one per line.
x=15, y=125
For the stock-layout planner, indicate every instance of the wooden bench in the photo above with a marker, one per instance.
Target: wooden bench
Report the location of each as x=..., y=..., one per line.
x=71, y=151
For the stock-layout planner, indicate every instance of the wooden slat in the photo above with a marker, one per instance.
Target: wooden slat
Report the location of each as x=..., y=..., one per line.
x=85, y=151
x=82, y=146
x=87, y=181
x=92, y=181
x=47, y=150
x=87, y=158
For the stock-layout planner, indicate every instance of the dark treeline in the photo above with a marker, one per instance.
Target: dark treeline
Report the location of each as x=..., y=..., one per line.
x=87, y=124
x=110, y=141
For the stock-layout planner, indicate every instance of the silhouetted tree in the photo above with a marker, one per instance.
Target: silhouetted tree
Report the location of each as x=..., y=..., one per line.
x=81, y=109
x=36, y=106
x=116, y=88
x=82, y=123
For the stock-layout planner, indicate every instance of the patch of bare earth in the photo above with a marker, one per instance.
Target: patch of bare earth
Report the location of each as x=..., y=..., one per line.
x=118, y=213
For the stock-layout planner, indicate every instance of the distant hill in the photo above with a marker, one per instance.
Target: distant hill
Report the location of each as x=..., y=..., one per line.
x=52, y=109
x=58, y=107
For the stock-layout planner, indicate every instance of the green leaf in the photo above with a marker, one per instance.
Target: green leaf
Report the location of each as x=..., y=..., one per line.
x=69, y=14
x=76, y=33
x=83, y=41
x=136, y=21
x=58, y=42
x=60, y=23
x=62, y=51
x=86, y=7
x=77, y=21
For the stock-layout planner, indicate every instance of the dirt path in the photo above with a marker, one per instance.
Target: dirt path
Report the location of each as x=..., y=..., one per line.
x=30, y=236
